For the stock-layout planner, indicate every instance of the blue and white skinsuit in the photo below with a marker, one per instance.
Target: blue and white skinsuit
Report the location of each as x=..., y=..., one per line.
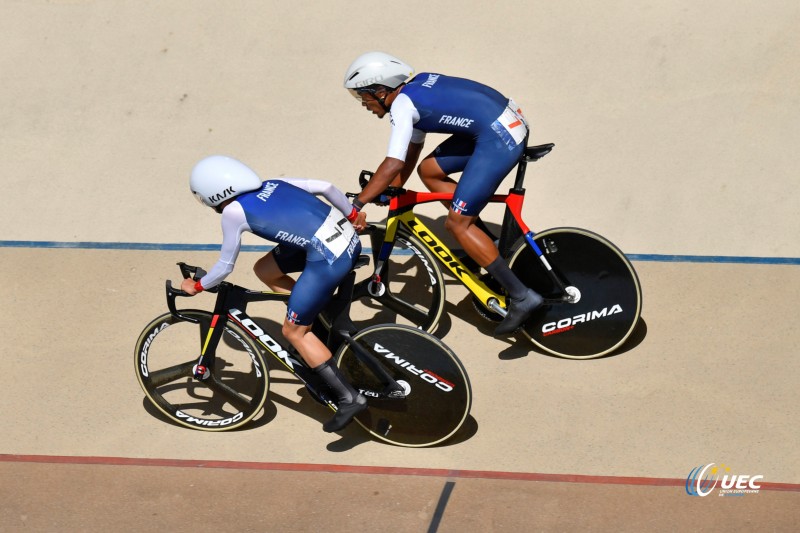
x=312, y=236
x=487, y=133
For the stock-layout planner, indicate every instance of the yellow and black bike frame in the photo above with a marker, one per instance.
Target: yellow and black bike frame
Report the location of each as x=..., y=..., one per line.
x=401, y=211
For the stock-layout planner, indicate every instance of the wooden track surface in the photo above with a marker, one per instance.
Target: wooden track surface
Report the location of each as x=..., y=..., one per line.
x=675, y=127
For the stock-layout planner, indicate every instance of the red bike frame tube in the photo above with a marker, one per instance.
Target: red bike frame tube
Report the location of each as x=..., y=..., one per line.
x=409, y=199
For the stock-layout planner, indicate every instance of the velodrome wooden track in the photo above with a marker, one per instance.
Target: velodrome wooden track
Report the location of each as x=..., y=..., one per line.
x=674, y=125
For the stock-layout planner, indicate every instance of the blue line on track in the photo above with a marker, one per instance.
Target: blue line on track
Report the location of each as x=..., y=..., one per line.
x=263, y=249
x=715, y=259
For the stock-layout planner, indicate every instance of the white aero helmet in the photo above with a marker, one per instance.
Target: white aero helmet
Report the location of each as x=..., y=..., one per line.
x=218, y=178
x=376, y=68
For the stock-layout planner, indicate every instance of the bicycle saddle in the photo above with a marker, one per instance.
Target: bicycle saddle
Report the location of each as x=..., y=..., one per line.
x=535, y=153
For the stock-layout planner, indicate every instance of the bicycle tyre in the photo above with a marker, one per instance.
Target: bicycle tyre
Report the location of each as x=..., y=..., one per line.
x=610, y=294
x=439, y=395
x=415, y=291
x=235, y=392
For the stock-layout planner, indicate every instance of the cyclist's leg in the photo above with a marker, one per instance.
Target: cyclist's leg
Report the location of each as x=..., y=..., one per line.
x=308, y=345
x=314, y=352
x=477, y=244
x=449, y=158
x=272, y=269
x=311, y=293
x=490, y=163
x=482, y=171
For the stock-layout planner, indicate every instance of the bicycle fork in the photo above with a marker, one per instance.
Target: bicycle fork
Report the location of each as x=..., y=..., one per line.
x=210, y=339
x=201, y=371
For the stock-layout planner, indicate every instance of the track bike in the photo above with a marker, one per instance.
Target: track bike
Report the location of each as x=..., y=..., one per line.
x=592, y=296
x=207, y=370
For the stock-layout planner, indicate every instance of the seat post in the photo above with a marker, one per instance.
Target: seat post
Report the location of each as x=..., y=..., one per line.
x=510, y=230
x=522, y=166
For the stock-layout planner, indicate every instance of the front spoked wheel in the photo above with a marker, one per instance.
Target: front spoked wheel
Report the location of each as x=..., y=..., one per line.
x=412, y=287
x=606, y=295
x=231, y=395
x=438, y=393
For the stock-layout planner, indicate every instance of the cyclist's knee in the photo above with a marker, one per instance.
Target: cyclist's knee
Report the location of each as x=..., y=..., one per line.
x=266, y=268
x=457, y=224
x=292, y=332
x=430, y=173
x=428, y=168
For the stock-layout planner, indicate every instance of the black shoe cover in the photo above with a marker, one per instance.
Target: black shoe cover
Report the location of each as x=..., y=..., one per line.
x=345, y=413
x=518, y=312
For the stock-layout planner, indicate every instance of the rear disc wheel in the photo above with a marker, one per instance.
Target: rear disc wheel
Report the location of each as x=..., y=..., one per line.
x=604, y=285
x=438, y=393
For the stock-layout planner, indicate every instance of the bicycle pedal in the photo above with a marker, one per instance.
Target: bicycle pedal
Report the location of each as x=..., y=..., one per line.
x=318, y=391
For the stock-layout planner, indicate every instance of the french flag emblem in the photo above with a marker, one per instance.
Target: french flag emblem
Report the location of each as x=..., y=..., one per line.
x=292, y=316
x=459, y=206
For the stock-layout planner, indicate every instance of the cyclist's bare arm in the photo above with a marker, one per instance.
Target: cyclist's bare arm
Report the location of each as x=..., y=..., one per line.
x=412, y=157
x=387, y=171
x=406, y=141
x=399, y=162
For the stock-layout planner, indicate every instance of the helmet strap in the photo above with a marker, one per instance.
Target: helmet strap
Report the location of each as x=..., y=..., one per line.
x=382, y=100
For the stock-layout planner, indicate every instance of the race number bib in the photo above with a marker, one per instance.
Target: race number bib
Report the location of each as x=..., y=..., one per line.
x=333, y=236
x=511, y=125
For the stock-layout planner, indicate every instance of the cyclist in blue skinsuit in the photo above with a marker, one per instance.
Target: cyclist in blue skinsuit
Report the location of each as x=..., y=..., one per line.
x=487, y=137
x=312, y=236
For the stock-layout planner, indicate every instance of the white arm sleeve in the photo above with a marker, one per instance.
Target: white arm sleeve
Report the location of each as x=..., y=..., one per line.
x=336, y=197
x=404, y=116
x=234, y=224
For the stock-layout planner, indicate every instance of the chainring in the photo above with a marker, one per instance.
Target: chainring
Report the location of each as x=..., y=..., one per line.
x=491, y=316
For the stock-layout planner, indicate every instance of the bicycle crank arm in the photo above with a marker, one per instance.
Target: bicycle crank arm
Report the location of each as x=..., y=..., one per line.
x=495, y=306
x=387, y=394
x=555, y=301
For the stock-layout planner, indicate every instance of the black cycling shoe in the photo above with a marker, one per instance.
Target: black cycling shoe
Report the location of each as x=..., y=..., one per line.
x=518, y=312
x=344, y=414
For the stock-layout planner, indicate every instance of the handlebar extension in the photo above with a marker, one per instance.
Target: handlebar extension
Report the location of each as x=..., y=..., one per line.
x=382, y=198
x=187, y=271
